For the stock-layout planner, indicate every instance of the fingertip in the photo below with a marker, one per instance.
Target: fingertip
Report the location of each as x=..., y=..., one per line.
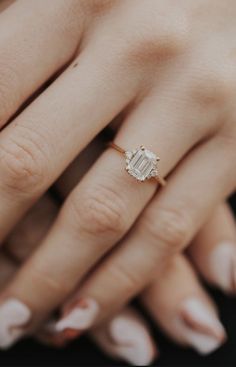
x=133, y=342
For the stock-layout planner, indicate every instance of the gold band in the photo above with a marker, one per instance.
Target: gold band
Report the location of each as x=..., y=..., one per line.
x=157, y=177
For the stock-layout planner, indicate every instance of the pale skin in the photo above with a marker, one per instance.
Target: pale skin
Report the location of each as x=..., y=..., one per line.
x=170, y=69
x=165, y=298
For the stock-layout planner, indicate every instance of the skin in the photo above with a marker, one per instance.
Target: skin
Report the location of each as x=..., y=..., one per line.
x=162, y=298
x=171, y=69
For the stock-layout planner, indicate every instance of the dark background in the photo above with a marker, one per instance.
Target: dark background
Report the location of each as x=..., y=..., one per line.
x=84, y=353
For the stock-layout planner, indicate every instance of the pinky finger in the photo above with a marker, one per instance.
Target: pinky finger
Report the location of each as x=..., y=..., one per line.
x=213, y=251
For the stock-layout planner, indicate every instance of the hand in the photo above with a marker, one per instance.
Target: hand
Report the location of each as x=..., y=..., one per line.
x=166, y=298
x=170, y=69
x=177, y=301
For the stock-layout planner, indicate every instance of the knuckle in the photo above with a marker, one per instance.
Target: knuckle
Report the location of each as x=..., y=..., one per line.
x=49, y=285
x=214, y=87
x=126, y=280
x=169, y=228
x=66, y=15
x=23, y=166
x=156, y=42
x=98, y=7
x=101, y=211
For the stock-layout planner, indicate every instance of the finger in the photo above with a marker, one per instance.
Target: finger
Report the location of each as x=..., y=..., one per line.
x=26, y=237
x=5, y=3
x=213, y=251
x=96, y=215
x=127, y=337
x=79, y=167
x=137, y=347
x=30, y=51
x=20, y=244
x=30, y=231
x=7, y=269
x=166, y=226
x=179, y=304
x=32, y=156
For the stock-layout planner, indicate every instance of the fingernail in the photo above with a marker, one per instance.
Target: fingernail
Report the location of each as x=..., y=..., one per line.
x=49, y=336
x=131, y=342
x=223, y=266
x=81, y=317
x=200, y=327
x=13, y=316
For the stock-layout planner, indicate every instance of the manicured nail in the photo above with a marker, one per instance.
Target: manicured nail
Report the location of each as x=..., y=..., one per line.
x=13, y=316
x=81, y=317
x=49, y=336
x=200, y=327
x=131, y=342
x=223, y=266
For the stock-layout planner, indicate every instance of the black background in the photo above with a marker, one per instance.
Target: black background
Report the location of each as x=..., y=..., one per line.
x=84, y=353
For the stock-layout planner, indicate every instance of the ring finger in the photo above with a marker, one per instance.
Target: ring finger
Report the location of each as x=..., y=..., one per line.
x=99, y=211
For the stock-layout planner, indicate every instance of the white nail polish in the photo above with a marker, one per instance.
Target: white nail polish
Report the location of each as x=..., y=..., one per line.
x=131, y=341
x=81, y=317
x=199, y=326
x=13, y=316
x=222, y=265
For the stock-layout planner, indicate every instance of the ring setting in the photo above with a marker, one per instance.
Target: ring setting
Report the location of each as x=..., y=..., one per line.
x=141, y=163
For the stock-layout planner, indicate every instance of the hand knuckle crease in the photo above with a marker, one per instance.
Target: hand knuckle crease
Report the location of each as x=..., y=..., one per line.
x=100, y=211
x=124, y=277
x=169, y=227
x=23, y=168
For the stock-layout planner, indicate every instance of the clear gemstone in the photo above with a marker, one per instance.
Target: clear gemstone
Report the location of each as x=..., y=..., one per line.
x=128, y=154
x=142, y=164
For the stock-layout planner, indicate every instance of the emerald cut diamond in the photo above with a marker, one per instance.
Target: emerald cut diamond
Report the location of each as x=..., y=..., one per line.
x=141, y=163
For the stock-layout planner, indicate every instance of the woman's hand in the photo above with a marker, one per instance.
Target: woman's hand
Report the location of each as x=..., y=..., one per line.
x=170, y=69
x=166, y=298
x=176, y=300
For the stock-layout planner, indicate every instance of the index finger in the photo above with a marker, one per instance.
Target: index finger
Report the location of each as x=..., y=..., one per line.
x=41, y=142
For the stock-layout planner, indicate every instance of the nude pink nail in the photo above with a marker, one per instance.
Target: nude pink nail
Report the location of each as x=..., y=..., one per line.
x=13, y=316
x=131, y=342
x=200, y=327
x=81, y=317
x=222, y=265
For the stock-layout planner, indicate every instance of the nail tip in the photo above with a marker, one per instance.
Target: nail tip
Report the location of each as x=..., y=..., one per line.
x=202, y=330
x=14, y=315
x=80, y=318
x=7, y=344
x=58, y=328
x=132, y=353
x=140, y=362
x=223, y=267
x=209, y=351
